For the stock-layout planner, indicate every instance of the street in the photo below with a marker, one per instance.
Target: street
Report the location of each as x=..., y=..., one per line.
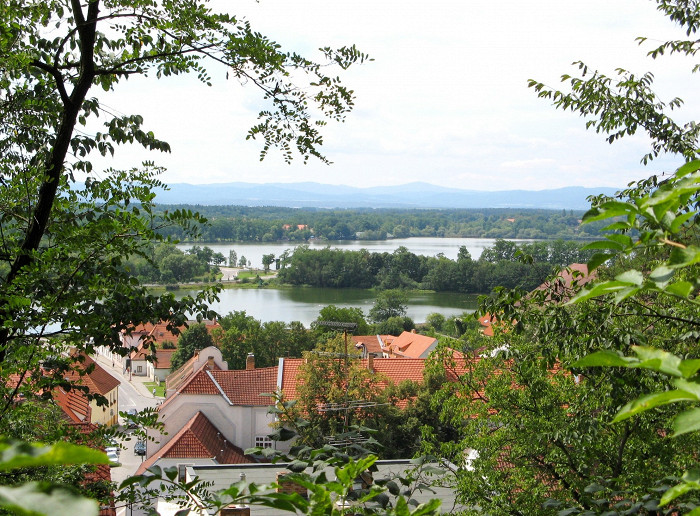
x=132, y=395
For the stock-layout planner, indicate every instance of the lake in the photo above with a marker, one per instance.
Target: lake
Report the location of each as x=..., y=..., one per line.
x=303, y=304
x=426, y=246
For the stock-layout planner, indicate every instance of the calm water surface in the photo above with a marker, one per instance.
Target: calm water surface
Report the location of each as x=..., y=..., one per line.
x=303, y=304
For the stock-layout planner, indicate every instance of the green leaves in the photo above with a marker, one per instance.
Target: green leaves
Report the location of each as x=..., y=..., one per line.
x=37, y=498
x=15, y=455
x=647, y=358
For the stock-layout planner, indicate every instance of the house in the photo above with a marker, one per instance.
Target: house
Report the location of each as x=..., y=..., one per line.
x=236, y=402
x=559, y=290
x=75, y=403
x=567, y=282
x=209, y=357
x=158, y=333
x=97, y=381
x=233, y=401
x=406, y=345
x=198, y=442
x=153, y=364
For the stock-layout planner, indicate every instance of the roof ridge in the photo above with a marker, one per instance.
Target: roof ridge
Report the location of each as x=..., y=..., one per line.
x=211, y=376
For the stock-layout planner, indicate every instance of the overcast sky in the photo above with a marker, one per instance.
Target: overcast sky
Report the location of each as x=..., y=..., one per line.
x=445, y=100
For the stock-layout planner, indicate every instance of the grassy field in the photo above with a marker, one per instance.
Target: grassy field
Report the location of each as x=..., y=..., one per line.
x=160, y=389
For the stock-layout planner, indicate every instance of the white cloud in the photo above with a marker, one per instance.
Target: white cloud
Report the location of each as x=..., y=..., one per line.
x=445, y=101
x=528, y=163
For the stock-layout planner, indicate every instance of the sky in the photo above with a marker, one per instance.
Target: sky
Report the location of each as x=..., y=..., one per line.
x=445, y=100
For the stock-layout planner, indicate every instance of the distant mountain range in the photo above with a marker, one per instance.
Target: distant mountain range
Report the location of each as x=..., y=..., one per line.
x=412, y=195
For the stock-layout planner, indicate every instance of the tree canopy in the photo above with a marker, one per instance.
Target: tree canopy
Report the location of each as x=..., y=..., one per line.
x=64, y=245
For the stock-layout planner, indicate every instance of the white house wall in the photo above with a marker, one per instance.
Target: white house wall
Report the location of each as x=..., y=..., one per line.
x=238, y=424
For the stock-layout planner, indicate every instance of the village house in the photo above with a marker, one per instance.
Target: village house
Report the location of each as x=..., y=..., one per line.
x=97, y=381
x=74, y=402
x=153, y=364
x=407, y=345
x=134, y=341
x=226, y=411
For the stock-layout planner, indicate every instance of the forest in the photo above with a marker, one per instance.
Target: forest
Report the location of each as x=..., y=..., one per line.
x=505, y=264
x=271, y=224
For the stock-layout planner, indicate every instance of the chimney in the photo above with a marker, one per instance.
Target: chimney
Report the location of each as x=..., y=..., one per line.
x=370, y=362
x=210, y=363
x=289, y=487
x=250, y=362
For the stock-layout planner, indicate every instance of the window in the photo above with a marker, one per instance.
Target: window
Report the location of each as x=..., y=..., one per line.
x=263, y=441
x=139, y=369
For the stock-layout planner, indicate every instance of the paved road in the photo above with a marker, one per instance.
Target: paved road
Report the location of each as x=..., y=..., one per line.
x=132, y=395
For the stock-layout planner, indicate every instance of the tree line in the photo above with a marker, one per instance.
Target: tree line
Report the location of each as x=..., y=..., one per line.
x=166, y=264
x=272, y=224
x=503, y=264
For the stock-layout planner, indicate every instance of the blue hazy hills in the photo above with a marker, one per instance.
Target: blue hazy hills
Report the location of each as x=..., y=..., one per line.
x=411, y=195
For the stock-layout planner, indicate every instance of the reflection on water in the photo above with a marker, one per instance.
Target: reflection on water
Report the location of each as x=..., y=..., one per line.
x=304, y=304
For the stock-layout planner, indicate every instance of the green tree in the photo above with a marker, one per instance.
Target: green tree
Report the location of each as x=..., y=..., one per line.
x=193, y=338
x=232, y=258
x=539, y=420
x=389, y=303
x=333, y=313
x=395, y=325
x=64, y=244
x=267, y=259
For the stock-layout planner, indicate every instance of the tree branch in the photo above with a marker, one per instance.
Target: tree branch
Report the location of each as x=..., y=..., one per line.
x=56, y=76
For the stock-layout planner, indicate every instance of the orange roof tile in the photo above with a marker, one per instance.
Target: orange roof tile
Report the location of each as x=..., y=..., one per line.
x=162, y=356
x=412, y=345
x=98, y=381
x=177, y=378
x=371, y=342
x=159, y=332
x=74, y=404
x=563, y=285
x=290, y=374
x=245, y=387
x=199, y=438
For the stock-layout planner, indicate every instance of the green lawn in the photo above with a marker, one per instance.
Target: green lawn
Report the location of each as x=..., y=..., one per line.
x=160, y=389
x=250, y=274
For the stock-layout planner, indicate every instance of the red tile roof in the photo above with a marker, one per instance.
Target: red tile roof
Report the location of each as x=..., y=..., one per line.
x=159, y=332
x=178, y=378
x=98, y=381
x=395, y=370
x=242, y=387
x=198, y=439
x=74, y=404
x=411, y=345
x=563, y=285
x=162, y=356
x=290, y=374
x=371, y=342
x=245, y=387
